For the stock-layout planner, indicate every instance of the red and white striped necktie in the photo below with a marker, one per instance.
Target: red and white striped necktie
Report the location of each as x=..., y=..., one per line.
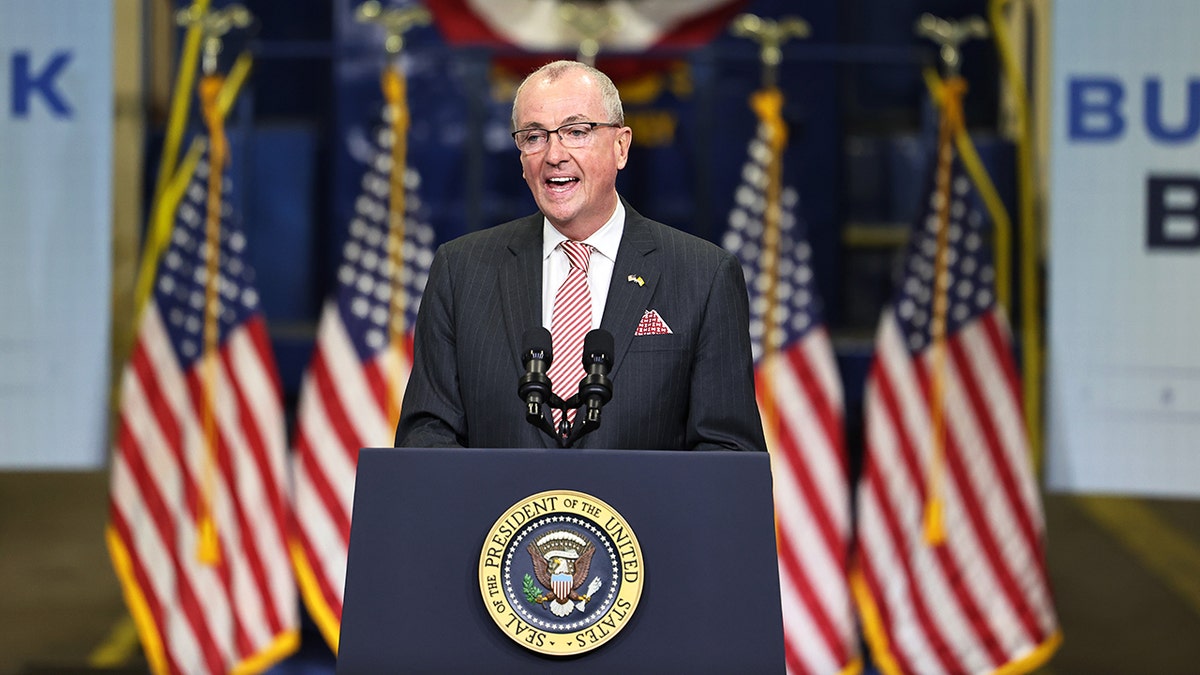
x=571, y=320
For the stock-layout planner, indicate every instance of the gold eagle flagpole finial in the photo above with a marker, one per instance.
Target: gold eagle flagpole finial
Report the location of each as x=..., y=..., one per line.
x=949, y=36
x=214, y=25
x=396, y=22
x=770, y=34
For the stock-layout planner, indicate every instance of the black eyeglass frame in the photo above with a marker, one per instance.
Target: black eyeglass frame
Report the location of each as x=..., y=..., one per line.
x=593, y=126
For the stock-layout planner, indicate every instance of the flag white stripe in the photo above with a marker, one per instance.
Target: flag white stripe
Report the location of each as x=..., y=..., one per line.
x=818, y=354
x=148, y=549
x=914, y=644
x=322, y=534
x=266, y=410
x=821, y=457
x=246, y=598
x=325, y=445
x=1021, y=561
x=820, y=462
x=351, y=388
x=903, y=497
x=208, y=592
x=1005, y=408
x=797, y=621
x=984, y=589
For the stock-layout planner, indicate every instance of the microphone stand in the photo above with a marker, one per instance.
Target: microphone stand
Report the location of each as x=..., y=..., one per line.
x=595, y=389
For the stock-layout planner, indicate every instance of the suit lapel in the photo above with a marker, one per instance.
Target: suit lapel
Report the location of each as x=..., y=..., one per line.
x=521, y=284
x=628, y=299
x=521, y=290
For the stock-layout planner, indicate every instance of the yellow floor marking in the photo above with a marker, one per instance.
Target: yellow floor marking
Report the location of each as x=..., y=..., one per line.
x=118, y=647
x=1163, y=550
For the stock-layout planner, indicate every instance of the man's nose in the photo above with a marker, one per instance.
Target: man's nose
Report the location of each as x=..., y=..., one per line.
x=556, y=152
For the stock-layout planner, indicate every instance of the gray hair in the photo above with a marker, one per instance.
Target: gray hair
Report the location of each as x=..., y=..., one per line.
x=552, y=71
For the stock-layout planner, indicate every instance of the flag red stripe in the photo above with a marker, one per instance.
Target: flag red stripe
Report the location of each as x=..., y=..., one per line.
x=131, y=453
x=331, y=403
x=249, y=542
x=816, y=514
x=1025, y=509
x=899, y=651
x=834, y=541
x=378, y=383
x=143, y=370
x=889, y=510
x=914, y=592
x=153, y=603
x=1020, y=506
x=1003, y=470
x=828, y=412
x=320, y=484
x=331, y=595
x=804, y=587
x=952, y=570
x=221, y=460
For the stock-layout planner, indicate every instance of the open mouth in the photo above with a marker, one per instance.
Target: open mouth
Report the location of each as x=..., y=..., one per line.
x=561, y=183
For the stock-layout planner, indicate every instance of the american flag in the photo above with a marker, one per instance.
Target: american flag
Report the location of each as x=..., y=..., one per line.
x=350, y=395
x=978, y=601
x=241, y=612
x=800, y=399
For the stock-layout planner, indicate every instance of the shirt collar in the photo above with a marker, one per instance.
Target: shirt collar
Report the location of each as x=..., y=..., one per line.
x=606, y=240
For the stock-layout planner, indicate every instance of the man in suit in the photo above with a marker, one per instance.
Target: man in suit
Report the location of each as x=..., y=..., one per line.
x=676, y=305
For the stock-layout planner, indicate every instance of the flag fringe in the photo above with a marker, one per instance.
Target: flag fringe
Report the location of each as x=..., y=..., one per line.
x=310, y=590
x=135, y=601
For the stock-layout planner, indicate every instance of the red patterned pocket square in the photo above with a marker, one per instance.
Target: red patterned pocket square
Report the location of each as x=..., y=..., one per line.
x=652, y=324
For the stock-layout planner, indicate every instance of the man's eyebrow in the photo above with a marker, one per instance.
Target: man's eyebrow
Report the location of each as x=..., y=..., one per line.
x=568, y=120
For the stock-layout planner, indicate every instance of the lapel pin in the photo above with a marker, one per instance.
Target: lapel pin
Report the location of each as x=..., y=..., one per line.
x=636, y=279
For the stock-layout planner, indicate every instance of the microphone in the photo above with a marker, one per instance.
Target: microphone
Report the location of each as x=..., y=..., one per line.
x=534, y=385
x=596, y=389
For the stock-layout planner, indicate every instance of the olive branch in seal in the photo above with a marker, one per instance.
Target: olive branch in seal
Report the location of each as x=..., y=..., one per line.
x=533, y=592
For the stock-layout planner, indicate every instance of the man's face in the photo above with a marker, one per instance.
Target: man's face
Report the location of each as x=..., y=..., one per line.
x=574, y=187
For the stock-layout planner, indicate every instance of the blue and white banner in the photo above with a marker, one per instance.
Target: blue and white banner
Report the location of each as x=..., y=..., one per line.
x=1124, y=334
x=56, y=116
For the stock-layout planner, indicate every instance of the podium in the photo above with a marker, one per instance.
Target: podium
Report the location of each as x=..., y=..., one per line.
x=709, y=599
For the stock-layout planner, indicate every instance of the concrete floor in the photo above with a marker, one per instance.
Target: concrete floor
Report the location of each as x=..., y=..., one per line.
x=1126, y=575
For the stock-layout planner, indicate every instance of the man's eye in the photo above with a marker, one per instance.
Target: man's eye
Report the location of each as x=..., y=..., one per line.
x=578, y=132
x=535, y=137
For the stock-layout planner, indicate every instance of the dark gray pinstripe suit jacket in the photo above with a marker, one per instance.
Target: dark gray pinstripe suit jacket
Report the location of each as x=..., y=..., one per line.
x=693, y=389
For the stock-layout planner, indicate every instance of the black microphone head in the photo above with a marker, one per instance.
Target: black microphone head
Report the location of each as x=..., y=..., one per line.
x=597, y=347
x=536, y=343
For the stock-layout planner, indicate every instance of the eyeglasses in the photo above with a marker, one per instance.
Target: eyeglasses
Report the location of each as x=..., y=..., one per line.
x=574, y=135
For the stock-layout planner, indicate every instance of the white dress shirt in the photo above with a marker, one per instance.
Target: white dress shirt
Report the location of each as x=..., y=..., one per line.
x=604, y=243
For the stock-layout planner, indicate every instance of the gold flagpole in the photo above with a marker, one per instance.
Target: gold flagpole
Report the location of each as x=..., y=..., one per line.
x=215, y=26
x=767, y=104
x=949, y=35
x=395, y=91
x=1031, y=330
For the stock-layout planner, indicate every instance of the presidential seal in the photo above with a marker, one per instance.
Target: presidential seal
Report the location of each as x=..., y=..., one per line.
x=561, y=572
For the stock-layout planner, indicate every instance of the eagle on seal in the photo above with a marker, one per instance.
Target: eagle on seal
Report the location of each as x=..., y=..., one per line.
x=561, y=573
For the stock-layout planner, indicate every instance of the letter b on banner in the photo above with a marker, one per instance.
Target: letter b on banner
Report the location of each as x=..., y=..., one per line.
x=1173, y=212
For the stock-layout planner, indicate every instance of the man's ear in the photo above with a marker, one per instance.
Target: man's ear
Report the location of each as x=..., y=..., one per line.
x=621, y=146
